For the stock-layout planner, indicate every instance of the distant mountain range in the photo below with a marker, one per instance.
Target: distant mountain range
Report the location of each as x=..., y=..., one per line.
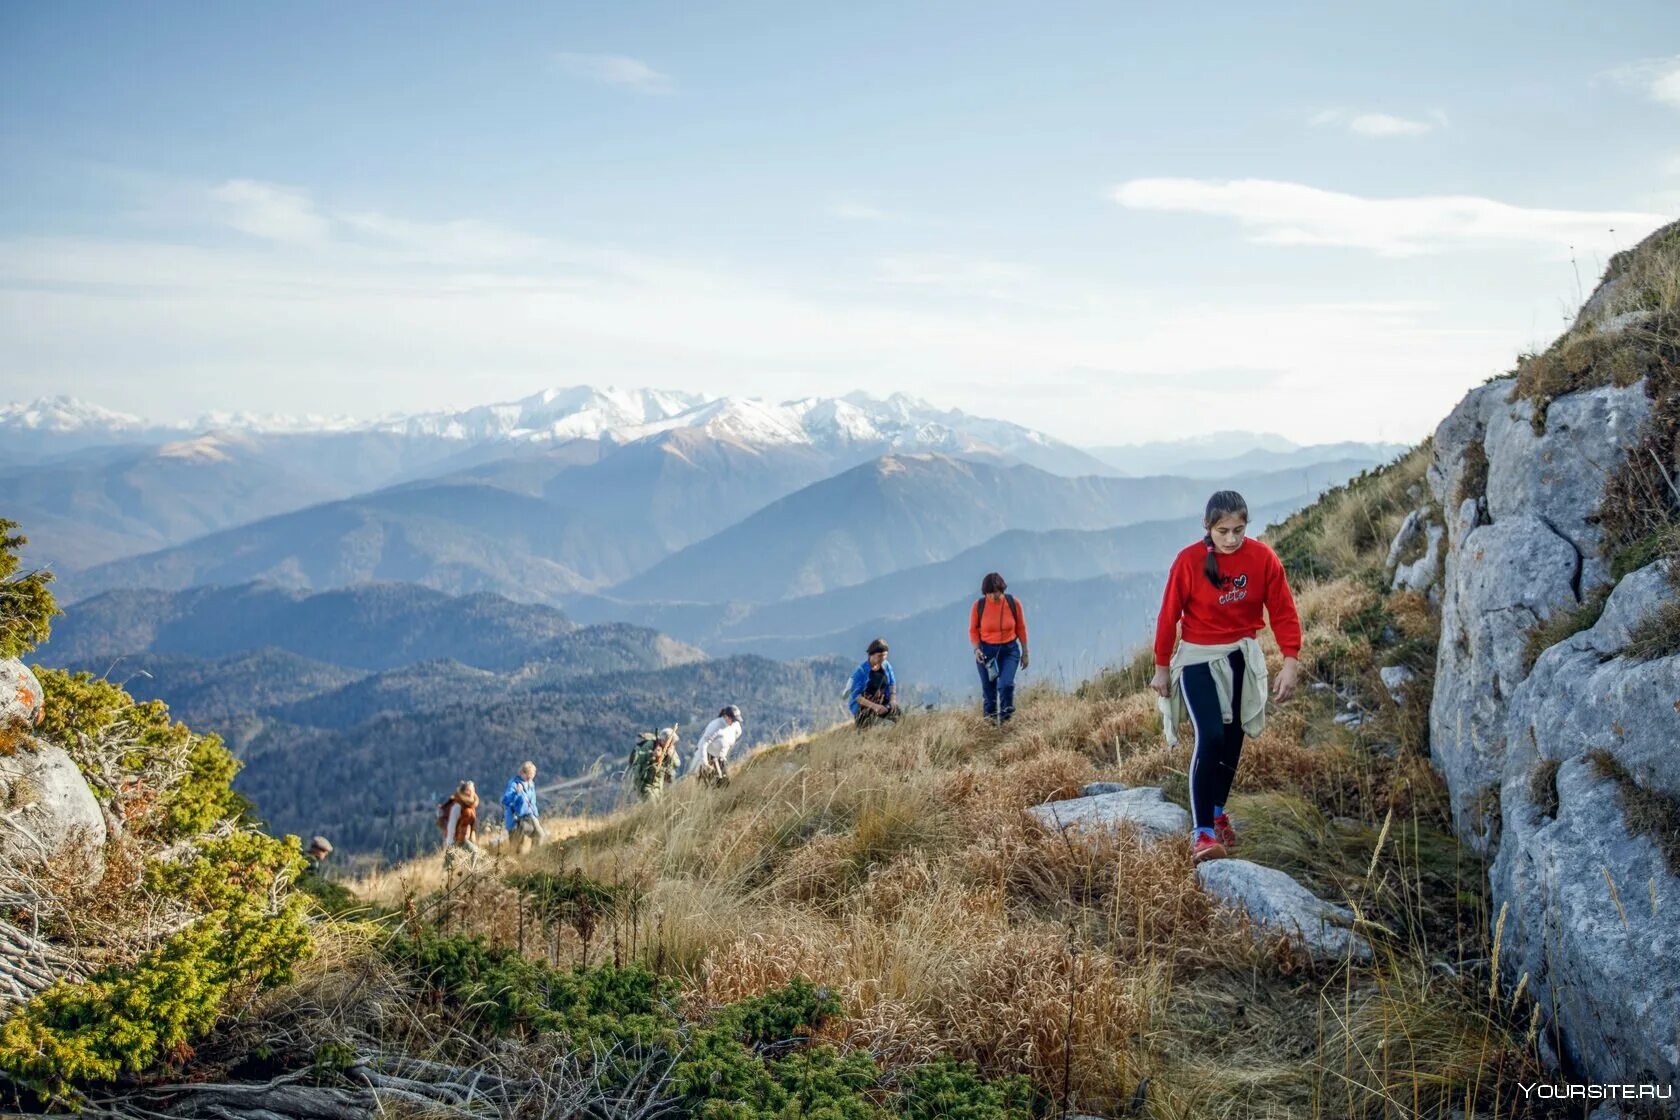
x=817, y=623
x=96, y=485
x=353, y=709
x=904, y=511
x=896, y=423
x=1221, y=454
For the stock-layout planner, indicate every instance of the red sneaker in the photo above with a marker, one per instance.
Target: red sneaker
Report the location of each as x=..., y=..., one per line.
x=1223, y=831
x=1205, y=847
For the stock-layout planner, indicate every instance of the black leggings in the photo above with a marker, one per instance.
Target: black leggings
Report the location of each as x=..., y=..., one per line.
x=1218, y=744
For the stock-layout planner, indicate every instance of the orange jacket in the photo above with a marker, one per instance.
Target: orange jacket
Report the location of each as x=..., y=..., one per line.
x=995, y=623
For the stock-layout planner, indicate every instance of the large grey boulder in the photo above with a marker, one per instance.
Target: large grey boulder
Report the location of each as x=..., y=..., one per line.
x=1501, y=580
x=1144, y=807
x=1275, y=901
x=1594, y=912
x=1558, y=474
x=48, y=815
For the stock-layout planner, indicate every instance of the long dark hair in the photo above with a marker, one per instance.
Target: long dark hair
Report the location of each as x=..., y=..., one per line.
x=993, y=583
x=1223, y=504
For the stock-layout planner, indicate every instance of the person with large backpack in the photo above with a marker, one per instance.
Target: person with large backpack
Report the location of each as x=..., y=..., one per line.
x=654, y=762
x=997, y=629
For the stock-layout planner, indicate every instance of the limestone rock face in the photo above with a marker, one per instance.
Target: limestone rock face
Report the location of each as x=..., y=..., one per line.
x=1500, y=581
x=1558, y=475
x=47, y=813
x=1276, y=901
x=1594, y=909
x=1144, y=807
x=1556, y=770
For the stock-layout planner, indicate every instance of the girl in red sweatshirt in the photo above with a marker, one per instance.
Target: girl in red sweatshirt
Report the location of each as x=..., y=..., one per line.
x=1206, y=642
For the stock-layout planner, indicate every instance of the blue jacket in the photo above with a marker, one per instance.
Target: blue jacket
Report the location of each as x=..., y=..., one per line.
x=860, y=681
x=518, y=800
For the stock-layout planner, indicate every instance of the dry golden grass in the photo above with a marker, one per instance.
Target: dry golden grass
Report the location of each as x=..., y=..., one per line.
x=1642, y=302
x=898, y=868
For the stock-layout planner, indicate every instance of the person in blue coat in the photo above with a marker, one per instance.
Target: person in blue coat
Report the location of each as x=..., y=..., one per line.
x=874, y=691
x=519, y=809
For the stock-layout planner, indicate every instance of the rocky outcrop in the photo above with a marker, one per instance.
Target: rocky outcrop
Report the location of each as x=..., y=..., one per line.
x=1561, y=762
x=48, y=816
x=1523, y=544
x=1275, y=901
x=1594, y=905
x=1144, y=808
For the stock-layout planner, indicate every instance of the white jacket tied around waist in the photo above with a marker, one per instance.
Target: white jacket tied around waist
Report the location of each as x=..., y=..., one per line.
x=717, y=740
x=1218, y=660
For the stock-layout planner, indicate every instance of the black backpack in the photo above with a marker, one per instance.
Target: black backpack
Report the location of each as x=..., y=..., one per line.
x=1014, y=609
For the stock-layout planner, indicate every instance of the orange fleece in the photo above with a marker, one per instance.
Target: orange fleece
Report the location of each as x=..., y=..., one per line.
x=995, y=623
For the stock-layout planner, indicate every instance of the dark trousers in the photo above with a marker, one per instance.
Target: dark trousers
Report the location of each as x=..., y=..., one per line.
x=999, y=695
x=1218, y=744
x=867, y=717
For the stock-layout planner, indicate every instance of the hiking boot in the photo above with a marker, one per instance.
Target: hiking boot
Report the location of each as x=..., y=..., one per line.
x=1223, y=832
x=1205, y=847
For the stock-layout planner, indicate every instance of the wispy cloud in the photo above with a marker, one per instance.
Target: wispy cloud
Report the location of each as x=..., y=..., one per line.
x=268, y=211
x=615, y=70
x=1657, y=78
x=1279, y=213
x=853, y=211
x=372, y=310
x=1378, y=124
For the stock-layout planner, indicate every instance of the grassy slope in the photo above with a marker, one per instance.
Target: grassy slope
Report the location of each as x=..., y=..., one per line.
x=898, y=868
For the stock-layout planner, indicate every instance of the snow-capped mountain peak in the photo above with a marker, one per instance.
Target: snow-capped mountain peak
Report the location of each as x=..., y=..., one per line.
x=66, y=414
x=853, y=423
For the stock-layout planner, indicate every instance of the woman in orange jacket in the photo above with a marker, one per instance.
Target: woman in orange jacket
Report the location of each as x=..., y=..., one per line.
x=997, y=629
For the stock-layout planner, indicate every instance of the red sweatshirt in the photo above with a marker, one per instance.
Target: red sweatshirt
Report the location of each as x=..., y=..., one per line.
x=995, y=622
x=1253, y=578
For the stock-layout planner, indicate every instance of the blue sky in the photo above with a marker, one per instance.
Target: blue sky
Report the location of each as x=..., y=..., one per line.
x=1110, y=221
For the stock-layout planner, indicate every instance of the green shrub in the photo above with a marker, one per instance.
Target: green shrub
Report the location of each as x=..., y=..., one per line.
x=749, y=1060
x=498, y=992
x=791, y=1013
x=127, y=1020
x=87, y=714
x=948, y=1090
x=26, y=605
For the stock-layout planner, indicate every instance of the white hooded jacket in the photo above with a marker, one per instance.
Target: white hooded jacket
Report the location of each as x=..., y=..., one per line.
x=717, y=740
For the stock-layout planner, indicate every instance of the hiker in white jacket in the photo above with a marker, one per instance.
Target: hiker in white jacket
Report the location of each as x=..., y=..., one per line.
x=720, y=736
